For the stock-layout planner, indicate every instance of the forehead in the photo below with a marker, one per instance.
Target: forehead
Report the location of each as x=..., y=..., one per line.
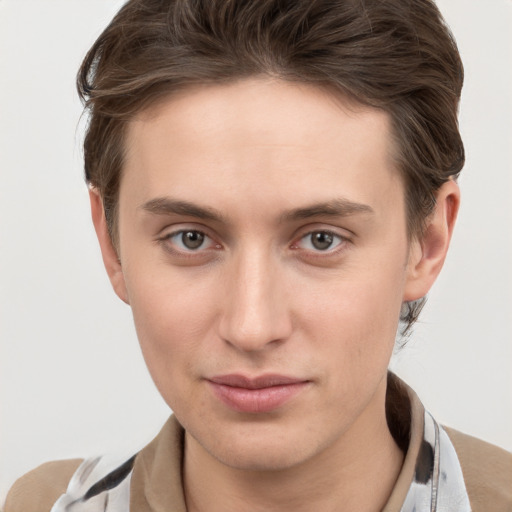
x=276, y=138
x=260, y=108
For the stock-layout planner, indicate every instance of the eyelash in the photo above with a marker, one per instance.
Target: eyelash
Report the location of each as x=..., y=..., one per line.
x=342, y=240
x=165, y=241
x=185, y=252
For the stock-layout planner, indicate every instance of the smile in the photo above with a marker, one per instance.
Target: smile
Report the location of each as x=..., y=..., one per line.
x=258, y=395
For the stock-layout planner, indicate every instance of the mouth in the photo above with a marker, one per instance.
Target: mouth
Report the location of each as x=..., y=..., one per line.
x=261, y=394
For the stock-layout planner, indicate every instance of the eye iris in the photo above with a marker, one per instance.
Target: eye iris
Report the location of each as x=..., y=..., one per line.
x=192, y=239
x=321, y=240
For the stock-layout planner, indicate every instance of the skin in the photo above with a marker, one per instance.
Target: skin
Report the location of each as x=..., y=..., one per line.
x=257, y=296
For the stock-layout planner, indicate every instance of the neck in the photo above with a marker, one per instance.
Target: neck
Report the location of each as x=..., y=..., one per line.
x=337, y=479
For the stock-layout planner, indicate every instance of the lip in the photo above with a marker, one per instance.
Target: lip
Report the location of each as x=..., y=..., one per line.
x=260, y=394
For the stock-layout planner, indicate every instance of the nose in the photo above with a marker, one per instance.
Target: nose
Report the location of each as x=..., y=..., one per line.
x=256, y=312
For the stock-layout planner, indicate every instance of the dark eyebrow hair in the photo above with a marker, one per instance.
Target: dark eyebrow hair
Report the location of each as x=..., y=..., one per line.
x=334, y=208
x=169, y=206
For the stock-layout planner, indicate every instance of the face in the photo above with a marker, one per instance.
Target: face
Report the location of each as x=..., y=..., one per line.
x=263, y=250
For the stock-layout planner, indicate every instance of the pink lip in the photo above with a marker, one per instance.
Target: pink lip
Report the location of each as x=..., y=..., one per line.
x=255, y=395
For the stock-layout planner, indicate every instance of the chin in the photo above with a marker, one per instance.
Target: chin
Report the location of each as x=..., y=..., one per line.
x=263, y=459
x=262, y=448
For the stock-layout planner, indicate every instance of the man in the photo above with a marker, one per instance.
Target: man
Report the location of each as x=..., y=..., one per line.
x=273, y=187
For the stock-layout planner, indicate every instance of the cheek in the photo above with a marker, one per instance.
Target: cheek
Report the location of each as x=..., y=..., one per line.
x=354, y=332
x=171, y=319
x=354, y=318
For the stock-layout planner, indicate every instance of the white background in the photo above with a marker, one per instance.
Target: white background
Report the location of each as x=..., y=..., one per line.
x=72, y=380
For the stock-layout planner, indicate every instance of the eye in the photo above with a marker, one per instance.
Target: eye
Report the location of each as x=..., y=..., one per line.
x=189, y=240
x=320, y=241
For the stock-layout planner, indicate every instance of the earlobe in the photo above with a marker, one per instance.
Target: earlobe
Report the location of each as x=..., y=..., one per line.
x=109, y=254
x=427, y=255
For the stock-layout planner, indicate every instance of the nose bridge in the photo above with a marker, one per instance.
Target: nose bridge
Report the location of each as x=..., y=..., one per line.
x=256, y=312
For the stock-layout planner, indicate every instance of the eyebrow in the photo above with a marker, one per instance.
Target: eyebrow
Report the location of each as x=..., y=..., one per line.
x=169, y=206
x=334, y=208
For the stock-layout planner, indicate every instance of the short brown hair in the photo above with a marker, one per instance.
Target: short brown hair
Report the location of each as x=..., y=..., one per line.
x=397, y=55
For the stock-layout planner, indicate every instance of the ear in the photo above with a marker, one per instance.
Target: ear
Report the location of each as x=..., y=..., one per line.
x=110, y=258
x=427, y=255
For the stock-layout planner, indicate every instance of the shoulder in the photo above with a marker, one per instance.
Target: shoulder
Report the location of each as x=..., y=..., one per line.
x=39, y=489
x=487, y=471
